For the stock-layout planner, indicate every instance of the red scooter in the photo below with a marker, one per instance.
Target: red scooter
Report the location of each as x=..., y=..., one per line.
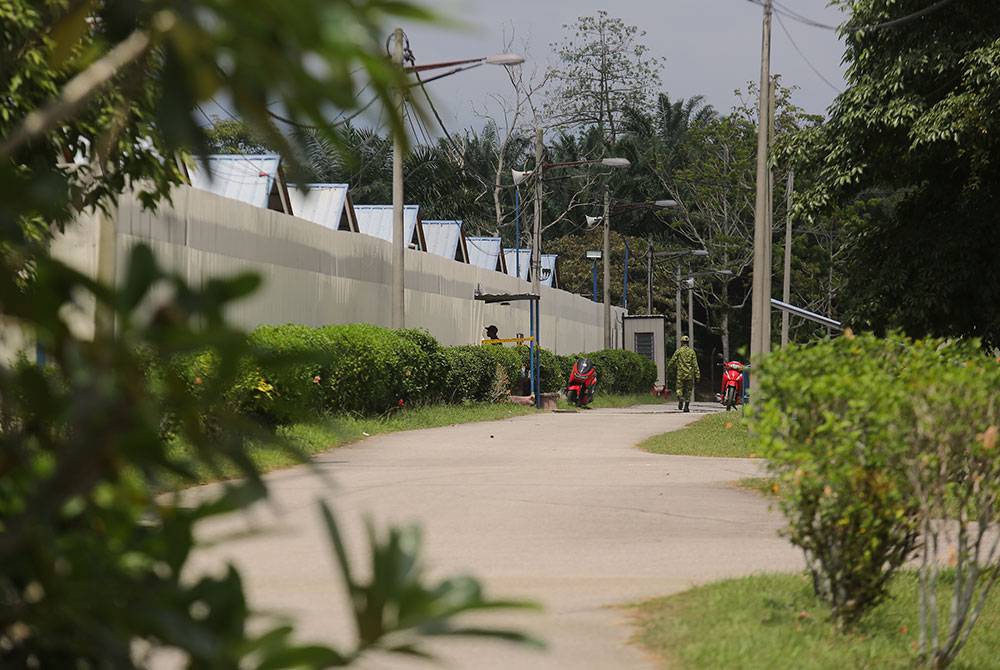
x=582, y=382
x=732, y=384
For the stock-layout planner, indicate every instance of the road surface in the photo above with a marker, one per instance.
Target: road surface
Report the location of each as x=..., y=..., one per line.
x=559, y=508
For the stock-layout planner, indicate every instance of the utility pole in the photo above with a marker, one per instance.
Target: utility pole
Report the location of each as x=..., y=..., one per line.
x=649, y=276
x=607, y=267
x=398, y=243
x=691, y=312
x=536, y=236
x=678, y=306
x=107, y=261
x=760, y=319
x=786, y=288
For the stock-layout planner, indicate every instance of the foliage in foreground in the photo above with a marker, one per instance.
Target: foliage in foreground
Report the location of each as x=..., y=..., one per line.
x=92, y=558
x=775, y=622
x=876, y=443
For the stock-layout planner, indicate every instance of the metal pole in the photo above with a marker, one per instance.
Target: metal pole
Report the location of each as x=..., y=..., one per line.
x=536, y=243
x=607, y=267
x=531, y=346
x=649, y=277
x=760, y=319
x=398, y=243
x=678, y=306
x=517, y=231
x=538, y=367
x=786, y=288
x=593, y=274
x=691, y=312
x=625, y=279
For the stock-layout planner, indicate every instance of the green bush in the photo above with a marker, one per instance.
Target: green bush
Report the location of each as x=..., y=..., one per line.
x=282, y=383
x=620, y=371
x=828, y=418
x=472, y=371
x=436, y=364
x=370, y=369
x=550, y=368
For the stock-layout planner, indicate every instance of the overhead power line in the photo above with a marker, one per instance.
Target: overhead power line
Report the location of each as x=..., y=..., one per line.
x=802, y=55
x=781, y=9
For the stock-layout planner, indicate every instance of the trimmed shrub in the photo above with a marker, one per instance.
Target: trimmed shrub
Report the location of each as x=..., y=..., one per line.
x=620, y=371
x=550, y=368
x=472, y=371
x=282, y=382
x=435, y=366
x=828, y=419
x=370, y=369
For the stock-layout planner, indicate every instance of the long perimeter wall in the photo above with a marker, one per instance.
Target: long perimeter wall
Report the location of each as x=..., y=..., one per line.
x=316, y=276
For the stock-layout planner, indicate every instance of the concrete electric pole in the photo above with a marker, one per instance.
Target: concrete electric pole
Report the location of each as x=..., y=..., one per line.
x=786, y=288
x=398, y=243
x=678, y=306
x=607, y=268
x=760, y=318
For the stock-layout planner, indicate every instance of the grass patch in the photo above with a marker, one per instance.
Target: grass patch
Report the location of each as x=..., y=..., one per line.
x=615, y=401
x=329, y=432
x=718, y=434
x=775, y=621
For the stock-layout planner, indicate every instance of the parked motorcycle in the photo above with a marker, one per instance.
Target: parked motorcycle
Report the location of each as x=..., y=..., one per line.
x=582, y=382
x=732, y=385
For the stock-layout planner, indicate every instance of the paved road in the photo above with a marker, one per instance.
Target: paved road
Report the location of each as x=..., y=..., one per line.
x=560, y=508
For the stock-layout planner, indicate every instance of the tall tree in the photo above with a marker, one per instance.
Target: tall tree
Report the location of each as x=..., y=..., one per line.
x=917, y=131
x=604, y=68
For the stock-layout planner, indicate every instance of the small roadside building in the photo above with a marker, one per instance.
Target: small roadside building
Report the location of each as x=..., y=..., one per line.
x=646, y=335
x=446, y=239
x=257, y=180
x=487, y=253
x=329, y=205
x=376, y=220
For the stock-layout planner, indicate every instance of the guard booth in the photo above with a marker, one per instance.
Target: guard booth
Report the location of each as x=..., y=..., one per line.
x=646, y=335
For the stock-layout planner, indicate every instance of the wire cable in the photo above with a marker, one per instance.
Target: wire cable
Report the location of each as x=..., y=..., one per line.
x=812, y=67
x=782, y=10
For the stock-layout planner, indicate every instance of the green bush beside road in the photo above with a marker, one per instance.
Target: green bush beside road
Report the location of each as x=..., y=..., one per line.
x=884, y=449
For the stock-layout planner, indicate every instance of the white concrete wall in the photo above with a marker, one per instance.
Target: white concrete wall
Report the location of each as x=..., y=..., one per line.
x=316, y=276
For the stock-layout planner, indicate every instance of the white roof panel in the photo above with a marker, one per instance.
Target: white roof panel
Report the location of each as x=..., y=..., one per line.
x=511, y=258
x=483, y=251
x=247, y=178
x=376, y=220
x=319, y=203
x=443, y=237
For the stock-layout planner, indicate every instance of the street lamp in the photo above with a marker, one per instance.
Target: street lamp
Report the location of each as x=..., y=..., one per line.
x=398, y=243
x=677, y=299
x=594, y=256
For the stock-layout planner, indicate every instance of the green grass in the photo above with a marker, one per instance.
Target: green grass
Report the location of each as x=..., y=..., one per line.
x=614, y=401
x=773, y=622
x=719, y=434
x=308, y=439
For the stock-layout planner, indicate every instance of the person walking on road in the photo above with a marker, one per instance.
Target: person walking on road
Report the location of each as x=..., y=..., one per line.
x=685, y=363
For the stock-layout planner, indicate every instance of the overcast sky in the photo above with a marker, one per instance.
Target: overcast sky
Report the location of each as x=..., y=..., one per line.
x=712, y=47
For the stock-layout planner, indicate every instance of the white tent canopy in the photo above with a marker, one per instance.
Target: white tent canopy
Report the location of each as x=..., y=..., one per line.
x=326, y=204
x=376, y=220
x=445, y=238
x=487, y=253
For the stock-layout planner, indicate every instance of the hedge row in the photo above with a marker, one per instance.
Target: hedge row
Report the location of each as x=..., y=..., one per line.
x=302, y=371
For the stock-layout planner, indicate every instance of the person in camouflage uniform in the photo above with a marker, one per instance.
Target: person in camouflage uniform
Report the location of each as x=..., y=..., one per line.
x=685, y=363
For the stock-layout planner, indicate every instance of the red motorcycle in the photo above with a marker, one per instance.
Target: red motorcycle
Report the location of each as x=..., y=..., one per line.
x=732, y=385
x=582, y=382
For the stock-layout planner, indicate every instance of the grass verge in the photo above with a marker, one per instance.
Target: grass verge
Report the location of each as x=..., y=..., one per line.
x=329, y=432
x=719, y=434
x=768, y=622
